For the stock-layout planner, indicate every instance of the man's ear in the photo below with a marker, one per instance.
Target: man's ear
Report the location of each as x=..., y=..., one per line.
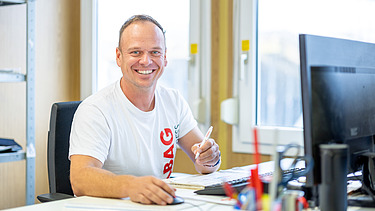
x=118, y=57
x=165, y=58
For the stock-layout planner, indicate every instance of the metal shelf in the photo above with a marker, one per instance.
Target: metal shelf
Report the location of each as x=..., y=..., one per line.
x=29, y=78
x=12, y=156
x=11, y=76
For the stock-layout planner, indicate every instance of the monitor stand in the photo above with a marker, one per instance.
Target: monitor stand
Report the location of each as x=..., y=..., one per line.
x=365, y=196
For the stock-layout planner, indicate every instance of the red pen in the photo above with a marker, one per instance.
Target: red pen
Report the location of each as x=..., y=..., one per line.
x=230, y=191
x=256, y=182
x=256, y=146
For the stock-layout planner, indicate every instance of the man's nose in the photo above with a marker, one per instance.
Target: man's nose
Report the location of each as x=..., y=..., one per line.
x=145, y=59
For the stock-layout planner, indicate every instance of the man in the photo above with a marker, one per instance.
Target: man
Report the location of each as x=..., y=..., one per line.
x=123, y=139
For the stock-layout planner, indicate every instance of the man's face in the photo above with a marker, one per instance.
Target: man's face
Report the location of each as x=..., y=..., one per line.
x=141, y=55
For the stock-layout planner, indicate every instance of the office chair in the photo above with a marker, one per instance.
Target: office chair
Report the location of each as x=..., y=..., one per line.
x=57, y=152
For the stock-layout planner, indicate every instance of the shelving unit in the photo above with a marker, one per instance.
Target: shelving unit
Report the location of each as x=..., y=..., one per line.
x=13, y=76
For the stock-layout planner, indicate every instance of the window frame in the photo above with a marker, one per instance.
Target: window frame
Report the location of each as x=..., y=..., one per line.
x=246, y=89
x=89, y=47
x=199, y=70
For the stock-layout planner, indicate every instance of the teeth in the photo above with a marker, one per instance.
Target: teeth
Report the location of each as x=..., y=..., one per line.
x=144, y=72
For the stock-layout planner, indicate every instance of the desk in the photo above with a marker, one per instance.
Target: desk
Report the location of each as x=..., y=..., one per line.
x=192, y=201
x=84, y=203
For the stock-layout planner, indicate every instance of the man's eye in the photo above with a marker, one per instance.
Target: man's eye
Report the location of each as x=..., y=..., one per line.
x=156, y=53
x=135, y=52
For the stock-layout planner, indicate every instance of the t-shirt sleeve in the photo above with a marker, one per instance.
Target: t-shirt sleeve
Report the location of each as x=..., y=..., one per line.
x=187, y=122
x=90, y=134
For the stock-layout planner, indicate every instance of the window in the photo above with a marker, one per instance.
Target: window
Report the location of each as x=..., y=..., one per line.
x=187, y=26
x=269, y=69
x=280, y=101
x=172, y=15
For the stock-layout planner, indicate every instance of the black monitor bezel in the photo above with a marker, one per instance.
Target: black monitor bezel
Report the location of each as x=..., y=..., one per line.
x=326, y=51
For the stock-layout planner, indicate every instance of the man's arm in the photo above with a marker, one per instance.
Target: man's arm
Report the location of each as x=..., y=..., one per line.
x=209, y=158
x=88, y=178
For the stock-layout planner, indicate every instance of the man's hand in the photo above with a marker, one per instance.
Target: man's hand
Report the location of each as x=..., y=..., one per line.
x=150, y=190
x=209, y=153
x=89, y=179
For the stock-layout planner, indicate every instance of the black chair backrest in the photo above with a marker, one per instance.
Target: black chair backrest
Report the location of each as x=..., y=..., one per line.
x=58, y=146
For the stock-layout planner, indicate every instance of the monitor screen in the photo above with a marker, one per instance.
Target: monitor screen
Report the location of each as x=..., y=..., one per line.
x=338, y=98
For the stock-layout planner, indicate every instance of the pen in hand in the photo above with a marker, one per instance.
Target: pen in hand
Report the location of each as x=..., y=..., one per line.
x=205, y=139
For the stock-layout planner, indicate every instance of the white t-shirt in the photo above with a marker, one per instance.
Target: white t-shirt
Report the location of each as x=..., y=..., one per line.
x=108, y=127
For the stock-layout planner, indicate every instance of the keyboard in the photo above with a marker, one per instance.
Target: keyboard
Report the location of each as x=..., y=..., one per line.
x=240, y=184
x=218, y=189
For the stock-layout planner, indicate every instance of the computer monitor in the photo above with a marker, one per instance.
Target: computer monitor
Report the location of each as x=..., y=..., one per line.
x=338, y=98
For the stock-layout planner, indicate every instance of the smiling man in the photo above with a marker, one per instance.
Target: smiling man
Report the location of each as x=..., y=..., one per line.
x=123, y=139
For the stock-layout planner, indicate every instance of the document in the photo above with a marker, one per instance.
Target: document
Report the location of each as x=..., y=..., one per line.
x=199, y=181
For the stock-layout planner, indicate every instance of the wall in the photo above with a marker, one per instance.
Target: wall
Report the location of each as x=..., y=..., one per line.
x=57, y=79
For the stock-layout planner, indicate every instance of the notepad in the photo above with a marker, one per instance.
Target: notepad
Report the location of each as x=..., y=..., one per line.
x=199, y=181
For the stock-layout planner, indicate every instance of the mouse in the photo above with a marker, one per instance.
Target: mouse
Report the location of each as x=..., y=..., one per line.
x=177, y=200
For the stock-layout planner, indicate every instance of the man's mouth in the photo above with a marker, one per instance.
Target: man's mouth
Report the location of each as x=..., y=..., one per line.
x=145, y=72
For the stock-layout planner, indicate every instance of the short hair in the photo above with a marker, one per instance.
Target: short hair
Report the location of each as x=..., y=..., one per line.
x=143, y=18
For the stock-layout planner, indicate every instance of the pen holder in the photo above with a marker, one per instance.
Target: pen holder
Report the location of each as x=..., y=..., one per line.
x=246, y=200
x=290, y=200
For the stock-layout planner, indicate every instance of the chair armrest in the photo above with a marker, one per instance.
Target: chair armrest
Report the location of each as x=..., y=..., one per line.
x=53, y=197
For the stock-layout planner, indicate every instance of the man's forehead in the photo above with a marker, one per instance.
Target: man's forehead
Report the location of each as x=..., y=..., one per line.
x=140, y=27
x=133, y=48
x=137, y=33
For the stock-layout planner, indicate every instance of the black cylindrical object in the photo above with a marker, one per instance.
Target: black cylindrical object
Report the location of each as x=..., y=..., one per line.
x=334, y=170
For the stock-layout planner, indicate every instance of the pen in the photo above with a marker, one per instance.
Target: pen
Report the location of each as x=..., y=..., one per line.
x=205, y=139
x=230, y=191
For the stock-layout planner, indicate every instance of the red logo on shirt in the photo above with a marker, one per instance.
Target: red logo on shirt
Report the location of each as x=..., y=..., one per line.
x=166, y=137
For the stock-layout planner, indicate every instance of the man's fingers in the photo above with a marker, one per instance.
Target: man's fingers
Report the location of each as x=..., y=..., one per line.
x=208, y=144
x=140, y=198
x=194, y=148
x=151, y=190
x=163, y=191
x=164, y=186
x=209, y=147
x=201, y=148
x=210, y=155
x=156, y=197
x=208, y=158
